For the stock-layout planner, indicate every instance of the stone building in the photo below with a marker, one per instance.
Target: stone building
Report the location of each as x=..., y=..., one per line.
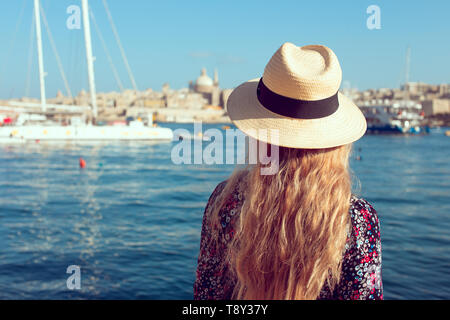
x=436, y=106
x=444, y=90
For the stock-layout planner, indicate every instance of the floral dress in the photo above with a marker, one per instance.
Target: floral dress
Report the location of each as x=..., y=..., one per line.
x=361, y=265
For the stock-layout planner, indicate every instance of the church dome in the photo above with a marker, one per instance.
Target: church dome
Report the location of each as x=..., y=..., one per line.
x=203, y=80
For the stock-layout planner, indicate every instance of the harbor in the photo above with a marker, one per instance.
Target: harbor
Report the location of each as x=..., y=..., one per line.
x=114, y=132
x=413, y=108
x=131, y=213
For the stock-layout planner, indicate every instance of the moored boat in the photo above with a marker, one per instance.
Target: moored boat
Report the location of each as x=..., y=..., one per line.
x=394, y=120
x=88, y=132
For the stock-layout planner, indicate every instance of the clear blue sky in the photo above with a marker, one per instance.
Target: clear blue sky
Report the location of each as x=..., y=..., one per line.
x=170, y=41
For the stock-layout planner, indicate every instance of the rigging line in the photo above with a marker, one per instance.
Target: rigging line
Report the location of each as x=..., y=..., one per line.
x=13, y=40
x=102, y=40
x=55, y=52
x=30, y=57
x=122, y=51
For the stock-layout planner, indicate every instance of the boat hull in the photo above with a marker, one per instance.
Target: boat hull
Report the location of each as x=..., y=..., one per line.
x=393, y=129
x=388, y=129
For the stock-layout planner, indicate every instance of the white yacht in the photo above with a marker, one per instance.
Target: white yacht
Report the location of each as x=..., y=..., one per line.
x=33, y=122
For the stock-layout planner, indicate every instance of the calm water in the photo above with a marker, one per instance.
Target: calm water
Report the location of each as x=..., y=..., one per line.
x=131, y=219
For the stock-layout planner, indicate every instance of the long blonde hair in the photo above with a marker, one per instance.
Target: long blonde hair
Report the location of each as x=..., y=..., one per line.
x=292, y=228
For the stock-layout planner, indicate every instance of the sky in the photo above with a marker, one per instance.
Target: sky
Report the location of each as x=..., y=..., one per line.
x=170, y=41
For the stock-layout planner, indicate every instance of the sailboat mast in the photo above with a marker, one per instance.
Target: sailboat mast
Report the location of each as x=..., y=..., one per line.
x=90, y=60
x=40, y=55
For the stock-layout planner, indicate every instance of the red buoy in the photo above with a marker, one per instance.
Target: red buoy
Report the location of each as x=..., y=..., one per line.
x=82, y=163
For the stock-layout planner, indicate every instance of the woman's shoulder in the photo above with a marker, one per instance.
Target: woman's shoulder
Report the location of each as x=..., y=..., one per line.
x=230, y=204
x=359, y=202
x=218, y=190
x=364, y=217
x=361, y=206
x=236, y=189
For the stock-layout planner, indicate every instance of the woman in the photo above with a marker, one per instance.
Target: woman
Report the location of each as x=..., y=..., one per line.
x=298, y=233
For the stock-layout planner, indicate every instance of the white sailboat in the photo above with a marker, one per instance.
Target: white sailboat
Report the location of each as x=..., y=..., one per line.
x=136, y=130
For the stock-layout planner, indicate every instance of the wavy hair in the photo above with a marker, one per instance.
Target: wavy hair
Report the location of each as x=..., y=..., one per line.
x=291, y=233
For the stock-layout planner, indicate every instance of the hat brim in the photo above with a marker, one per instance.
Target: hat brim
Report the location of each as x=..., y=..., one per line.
x=346, y=125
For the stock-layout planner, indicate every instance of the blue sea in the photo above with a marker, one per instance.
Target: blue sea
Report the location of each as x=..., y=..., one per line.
x=131, y=218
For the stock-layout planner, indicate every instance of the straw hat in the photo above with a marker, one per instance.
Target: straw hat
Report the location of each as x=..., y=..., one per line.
x=297, y=102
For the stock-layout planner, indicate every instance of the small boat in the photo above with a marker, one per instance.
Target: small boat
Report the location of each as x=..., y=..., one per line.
x=390, y=120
